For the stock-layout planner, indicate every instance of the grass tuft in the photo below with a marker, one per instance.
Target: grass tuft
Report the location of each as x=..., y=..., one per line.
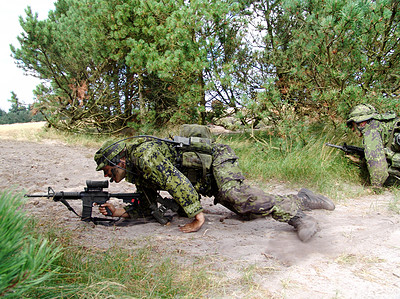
x=26, y=259
x=121, y=273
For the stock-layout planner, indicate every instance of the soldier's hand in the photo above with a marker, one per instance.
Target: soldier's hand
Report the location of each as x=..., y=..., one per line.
x=354, y=159
x=103, y=209
x=195, y=225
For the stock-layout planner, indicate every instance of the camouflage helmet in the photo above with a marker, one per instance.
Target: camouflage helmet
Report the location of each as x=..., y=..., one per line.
x=108, y=151
x=361, y=113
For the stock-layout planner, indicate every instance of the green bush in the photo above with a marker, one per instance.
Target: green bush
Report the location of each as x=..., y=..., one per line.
x=26, y=260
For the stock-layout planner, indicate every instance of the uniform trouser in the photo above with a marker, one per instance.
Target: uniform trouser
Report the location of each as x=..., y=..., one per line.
x=238, y=196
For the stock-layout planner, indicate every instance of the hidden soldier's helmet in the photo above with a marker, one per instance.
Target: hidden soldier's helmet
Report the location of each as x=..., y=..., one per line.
x=109, y=153
x=361, y=113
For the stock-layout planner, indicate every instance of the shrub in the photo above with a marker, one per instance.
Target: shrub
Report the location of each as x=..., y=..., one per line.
x=26, y=259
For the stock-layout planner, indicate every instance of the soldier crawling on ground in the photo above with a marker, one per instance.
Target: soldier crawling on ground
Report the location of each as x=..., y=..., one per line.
x=201, y=168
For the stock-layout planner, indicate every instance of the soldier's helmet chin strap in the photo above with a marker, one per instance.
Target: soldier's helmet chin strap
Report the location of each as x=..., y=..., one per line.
x=115, y=164
x=115, y=161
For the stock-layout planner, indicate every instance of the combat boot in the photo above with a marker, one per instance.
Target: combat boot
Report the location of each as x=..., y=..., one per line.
x=305, y=226
x=312, y=201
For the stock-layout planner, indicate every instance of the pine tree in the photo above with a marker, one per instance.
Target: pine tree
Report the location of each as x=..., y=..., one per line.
x=110, y=64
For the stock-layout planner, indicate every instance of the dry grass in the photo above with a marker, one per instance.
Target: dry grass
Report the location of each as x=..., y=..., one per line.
x=22, y=131
x=39, y=132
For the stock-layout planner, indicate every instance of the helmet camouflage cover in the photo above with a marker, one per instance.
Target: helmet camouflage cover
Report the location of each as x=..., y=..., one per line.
x=361, y=113
x=107, y=152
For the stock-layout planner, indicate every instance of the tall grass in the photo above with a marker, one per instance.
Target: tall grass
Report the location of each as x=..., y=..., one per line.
x=39, y=260
x=300, y=159
x=394, y=205
x=26, y=259
x=120, y=272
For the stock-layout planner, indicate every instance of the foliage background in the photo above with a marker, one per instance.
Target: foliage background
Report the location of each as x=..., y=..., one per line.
x=19, y=113
x=110, y=65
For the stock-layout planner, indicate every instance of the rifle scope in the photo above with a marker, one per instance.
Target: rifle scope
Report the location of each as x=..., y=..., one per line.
x=96, y=184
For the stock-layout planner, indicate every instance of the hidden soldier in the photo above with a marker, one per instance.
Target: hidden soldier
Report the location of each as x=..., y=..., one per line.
x=381, y=140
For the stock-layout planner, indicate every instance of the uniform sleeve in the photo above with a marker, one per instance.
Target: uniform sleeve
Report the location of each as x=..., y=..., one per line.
x=375, y=155
x=158, y=170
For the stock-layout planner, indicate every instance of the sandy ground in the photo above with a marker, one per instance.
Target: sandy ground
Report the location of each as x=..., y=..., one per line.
x=356, y=254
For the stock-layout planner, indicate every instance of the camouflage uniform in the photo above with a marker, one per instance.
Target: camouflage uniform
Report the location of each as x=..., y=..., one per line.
x=208, y=169
x=153, y=165
x=235, y=194
x=379, y=140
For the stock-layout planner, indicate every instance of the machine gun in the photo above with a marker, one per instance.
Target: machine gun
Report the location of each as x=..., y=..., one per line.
x=94, y=194
x=349, y=149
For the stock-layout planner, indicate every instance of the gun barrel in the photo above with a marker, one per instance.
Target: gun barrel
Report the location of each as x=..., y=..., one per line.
x=349, y=149
x=36, y=195
x=334, y=145
x=58, y=195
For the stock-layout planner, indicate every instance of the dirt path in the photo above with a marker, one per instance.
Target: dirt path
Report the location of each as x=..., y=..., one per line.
x=355, y=255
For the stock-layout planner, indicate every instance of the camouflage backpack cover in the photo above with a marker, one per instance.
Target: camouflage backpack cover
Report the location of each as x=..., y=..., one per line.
x=197, y=158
